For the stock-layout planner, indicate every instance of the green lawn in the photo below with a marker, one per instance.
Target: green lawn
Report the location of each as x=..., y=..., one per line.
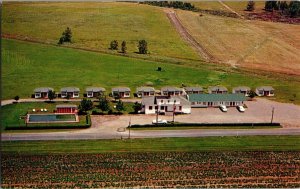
x=26, y=66
x=95, y=25
x=11, y=113
x=245, y=143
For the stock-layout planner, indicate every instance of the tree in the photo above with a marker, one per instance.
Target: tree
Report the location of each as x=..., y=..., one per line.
x=120, y=106
x=51, y=95
x=282, y=5
x=66, y=36
x=114, y=45
x=103, y=104
x=16, y=98
x=294, y=8
x=271, y=5
x=250, y=6
x=143, y=47
x=251, y=94
x=85, y=105
x=123, y=47
x=137, y=107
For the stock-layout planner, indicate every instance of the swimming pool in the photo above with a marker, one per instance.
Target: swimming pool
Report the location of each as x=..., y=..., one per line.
x=40, y=118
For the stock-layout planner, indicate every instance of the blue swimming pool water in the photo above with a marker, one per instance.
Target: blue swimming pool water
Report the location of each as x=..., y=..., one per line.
x=51, y=117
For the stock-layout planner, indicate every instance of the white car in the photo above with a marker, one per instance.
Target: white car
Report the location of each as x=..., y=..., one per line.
x=241, y=108
x=223, y=108
x=159, y=121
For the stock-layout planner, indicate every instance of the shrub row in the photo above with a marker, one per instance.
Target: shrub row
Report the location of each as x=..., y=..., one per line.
x=205, y=125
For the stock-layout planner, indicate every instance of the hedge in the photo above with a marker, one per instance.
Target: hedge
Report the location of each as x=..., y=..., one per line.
x=205, y=125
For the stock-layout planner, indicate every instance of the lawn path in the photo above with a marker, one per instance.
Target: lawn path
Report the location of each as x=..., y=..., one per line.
x=230, y=9
x=171, y=14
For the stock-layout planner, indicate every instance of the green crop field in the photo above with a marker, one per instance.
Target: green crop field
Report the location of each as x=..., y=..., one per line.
x=95, y=25
x=26, y=66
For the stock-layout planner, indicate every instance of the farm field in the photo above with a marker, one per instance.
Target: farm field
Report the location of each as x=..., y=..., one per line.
x=95, y=25
x=162, y=169
x=243, y=43
x=26, y=66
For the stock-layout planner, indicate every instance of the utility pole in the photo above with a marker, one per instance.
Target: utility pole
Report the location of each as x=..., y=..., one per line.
x=174, y=111
x=129, y=128
x=272, y=115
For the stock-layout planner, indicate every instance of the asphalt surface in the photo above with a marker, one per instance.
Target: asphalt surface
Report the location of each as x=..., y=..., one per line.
x=147, y=134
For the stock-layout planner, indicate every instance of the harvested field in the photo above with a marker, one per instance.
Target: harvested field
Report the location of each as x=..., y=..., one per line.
x=242, y=43
x=160, y=169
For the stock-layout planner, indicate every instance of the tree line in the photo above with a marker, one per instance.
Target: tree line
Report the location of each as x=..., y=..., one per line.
x=172, y=4
x=291, y=8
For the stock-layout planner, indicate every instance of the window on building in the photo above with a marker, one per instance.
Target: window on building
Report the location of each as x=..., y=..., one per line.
x=150, y=107
x=162, y=108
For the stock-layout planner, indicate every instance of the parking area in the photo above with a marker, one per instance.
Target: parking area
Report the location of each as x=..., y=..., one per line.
x=258, y=111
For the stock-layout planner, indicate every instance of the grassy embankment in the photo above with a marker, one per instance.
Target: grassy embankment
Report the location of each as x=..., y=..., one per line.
x=26, y=66
x=245, y=143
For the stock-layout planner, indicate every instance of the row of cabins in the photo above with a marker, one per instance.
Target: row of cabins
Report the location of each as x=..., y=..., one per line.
x=124, y=92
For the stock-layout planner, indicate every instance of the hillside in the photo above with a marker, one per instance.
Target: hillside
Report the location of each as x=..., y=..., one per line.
x=242, y=43
x=95, y=25
x=26, y=66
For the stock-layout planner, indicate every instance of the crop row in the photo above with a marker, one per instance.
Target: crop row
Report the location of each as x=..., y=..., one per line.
x=169, y=169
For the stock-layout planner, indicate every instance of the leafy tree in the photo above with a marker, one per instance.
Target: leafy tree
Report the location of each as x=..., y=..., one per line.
x=123, y=47
x=51, y=95
x=17, y=98
x=66, y=36
x=294, y=8
x=143, y=47
x=114, y=45
x=137, y=107
x=85, y=105
x=103, y=104
x=250, y=6
x=120, y=106
x=251, y=94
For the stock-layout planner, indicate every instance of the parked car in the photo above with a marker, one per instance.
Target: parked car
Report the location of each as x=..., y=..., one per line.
x=241, y=109
x=159, y=121
x=223, y=108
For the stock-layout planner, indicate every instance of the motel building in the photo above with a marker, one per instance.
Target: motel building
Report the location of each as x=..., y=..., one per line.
x=121, y=92
x=72, y=92
x=166, y=105
x=145, y=91
x=215, y=100
x=42, y=92
x=265, y=91
x=66, y=108
x=172, y=91
x=92, y=92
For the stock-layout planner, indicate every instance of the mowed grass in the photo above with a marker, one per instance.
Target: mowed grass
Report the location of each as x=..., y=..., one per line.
x=26, y=66
x=95, y=25
x=244, y=143
x=252, y=44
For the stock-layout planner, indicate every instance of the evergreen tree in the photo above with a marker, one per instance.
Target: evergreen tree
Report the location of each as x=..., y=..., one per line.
x=294, y=8
x=123, y=47
x=85, y=105
x=51, y=95
x=114, y=45
x=250, y=6
x=120, y=106
x=103, y=104
x=143, y=47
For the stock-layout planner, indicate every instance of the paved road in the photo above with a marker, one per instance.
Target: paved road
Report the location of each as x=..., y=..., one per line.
x=148, y=134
